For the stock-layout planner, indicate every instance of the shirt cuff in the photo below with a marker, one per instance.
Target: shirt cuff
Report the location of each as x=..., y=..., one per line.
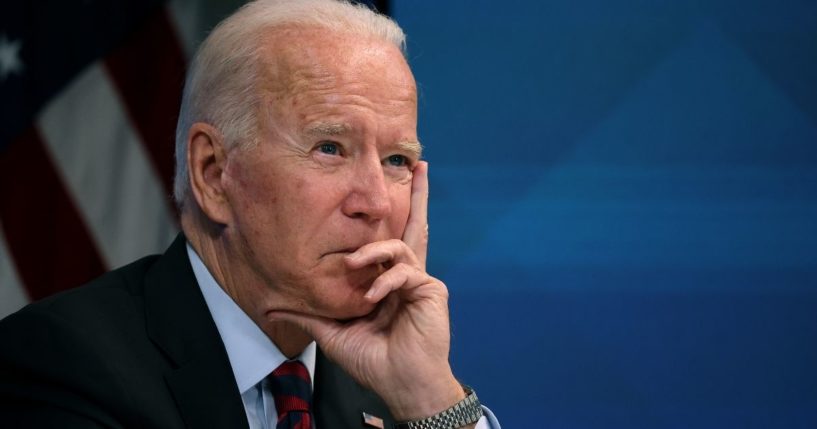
x=488, y=420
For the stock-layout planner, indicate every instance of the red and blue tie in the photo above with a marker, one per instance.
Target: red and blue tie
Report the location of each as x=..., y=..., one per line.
x=291, y=387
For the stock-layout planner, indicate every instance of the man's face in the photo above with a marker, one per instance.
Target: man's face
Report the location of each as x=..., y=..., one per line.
x=331, y=172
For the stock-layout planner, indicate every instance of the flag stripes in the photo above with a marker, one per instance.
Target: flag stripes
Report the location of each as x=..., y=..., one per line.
x=87, y=186
x=59, y=38
x=12, y=294
x=107, y=170
x=153, y=94
x=50, y=246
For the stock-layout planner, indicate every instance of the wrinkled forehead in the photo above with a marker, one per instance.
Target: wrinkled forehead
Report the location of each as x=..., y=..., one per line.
x=298, y=59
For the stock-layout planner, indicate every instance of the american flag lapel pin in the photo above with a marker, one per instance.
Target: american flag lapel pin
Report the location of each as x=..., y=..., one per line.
x=373, y=421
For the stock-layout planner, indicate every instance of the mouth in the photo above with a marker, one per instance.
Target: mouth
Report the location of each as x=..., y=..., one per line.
x=341, y=252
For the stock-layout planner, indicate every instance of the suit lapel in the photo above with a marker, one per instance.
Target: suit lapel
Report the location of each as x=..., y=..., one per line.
x=339, y=402
x=180, y=324
x=202, y=381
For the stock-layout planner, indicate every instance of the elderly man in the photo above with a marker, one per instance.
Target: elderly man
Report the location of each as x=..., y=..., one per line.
x=303, y=205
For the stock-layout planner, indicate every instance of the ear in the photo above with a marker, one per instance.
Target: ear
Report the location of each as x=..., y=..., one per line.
x=206, y=159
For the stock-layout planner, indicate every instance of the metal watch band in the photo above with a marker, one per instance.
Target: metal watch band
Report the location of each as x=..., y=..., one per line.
x=462, y=413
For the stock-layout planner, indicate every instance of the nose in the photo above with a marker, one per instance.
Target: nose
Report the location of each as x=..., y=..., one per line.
x=369, y=197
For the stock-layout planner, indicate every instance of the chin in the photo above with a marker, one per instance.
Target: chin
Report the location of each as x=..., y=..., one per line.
x=353, y=311
x=343, y=297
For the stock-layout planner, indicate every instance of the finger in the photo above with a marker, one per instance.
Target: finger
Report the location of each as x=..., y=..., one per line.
x=380, y=252
x=384, y=314
x=399, y=277
x=416, y=233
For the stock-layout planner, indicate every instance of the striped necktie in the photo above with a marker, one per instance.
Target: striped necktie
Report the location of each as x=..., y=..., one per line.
x=291, y=387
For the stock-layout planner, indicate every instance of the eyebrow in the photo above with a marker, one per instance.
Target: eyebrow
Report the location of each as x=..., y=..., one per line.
x=327, y=129
x=412, y=146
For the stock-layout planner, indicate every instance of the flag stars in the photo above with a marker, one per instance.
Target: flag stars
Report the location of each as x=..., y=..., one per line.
x=10, y=62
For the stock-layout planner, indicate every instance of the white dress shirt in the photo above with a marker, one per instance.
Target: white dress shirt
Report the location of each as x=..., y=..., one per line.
x=253, y=356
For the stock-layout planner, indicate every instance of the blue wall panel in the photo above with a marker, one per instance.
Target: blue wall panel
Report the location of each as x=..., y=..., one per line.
x=624, y=206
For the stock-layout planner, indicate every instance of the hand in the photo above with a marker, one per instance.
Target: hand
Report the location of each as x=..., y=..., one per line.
x=400, y=350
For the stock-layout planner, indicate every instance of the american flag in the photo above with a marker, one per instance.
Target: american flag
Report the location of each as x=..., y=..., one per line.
x=89, y=96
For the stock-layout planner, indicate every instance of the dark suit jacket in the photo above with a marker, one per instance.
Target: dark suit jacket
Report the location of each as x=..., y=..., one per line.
x=137, y=347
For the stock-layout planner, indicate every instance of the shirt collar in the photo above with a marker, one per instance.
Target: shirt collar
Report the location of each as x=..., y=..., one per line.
x=252, y=354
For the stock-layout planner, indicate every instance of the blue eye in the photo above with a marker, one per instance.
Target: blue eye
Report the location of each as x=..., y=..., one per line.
x=397, y=160
x=329, y=148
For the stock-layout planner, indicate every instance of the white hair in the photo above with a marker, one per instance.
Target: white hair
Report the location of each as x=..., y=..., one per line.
x=222, y=86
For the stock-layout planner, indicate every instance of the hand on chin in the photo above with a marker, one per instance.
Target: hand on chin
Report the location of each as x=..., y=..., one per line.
x=342, y=297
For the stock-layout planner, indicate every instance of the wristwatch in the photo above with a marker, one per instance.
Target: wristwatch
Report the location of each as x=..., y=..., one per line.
x=460, y=414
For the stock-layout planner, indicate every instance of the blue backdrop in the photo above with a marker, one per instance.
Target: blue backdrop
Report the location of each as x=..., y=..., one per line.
x=624, y=206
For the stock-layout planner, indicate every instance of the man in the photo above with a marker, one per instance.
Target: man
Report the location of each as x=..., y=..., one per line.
x=303, y=205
